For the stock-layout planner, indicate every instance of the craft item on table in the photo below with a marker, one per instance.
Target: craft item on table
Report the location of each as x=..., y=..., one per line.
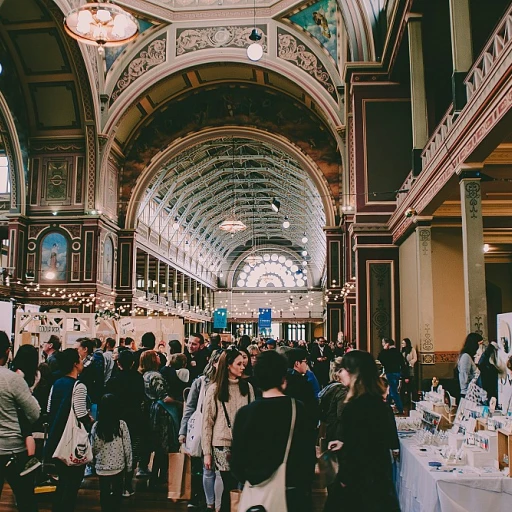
x=407, y=425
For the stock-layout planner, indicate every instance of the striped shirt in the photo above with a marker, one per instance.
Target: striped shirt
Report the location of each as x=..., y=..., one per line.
x=79, y=400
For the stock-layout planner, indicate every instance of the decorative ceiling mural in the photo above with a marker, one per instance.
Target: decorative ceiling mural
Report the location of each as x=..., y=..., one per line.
x=233, y=104
x=320, y=21
x=113, y=52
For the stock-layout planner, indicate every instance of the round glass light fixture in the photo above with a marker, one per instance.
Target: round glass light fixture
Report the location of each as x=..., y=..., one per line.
x=304, y=253
x=175, y=224
x=304, y=238
x=255, y=52
x=101, y=24
x=232, y=226
x=286, y=223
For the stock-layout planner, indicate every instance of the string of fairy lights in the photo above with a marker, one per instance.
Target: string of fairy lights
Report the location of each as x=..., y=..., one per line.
x=102, y=307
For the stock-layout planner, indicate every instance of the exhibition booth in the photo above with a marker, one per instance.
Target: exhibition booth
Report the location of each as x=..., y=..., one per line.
x=457, y=458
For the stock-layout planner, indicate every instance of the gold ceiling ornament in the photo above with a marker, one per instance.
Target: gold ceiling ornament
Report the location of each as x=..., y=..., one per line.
x=101, y=24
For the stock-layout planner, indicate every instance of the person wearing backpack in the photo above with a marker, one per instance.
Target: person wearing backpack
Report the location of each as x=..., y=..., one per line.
x=112, y=450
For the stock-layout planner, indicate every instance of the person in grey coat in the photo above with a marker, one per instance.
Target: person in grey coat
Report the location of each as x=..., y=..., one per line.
x=15, y=395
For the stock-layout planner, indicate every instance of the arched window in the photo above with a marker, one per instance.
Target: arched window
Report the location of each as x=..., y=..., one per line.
x=54, y=257
x=5, y=179
x=108, y=262
x=272, y=271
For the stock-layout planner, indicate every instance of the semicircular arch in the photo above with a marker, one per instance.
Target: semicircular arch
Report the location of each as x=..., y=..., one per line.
x=14, y=156
x=326, y=103
x=206, y=135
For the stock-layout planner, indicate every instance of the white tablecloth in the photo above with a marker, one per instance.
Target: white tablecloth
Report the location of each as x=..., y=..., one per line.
x=422, y=490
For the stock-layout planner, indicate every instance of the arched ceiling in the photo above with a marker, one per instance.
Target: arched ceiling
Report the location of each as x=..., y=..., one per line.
x=205, y=184
x=365, y=20
x=234, y=105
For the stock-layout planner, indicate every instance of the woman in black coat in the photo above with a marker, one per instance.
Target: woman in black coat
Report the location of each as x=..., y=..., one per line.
x=367, y=435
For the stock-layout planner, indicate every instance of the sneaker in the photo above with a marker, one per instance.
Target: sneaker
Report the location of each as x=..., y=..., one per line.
x=128, y=493
x=32, y=463
x=89, y=471
x=141, y=473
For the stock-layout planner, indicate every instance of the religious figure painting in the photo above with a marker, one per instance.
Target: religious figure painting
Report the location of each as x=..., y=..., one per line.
x=54, y=256
x=320, y=20
x=108, y=261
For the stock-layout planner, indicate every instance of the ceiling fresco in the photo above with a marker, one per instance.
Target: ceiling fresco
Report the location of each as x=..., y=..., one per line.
x=234, y=105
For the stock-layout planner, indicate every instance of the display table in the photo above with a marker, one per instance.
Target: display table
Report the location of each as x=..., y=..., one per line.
x=423, y=490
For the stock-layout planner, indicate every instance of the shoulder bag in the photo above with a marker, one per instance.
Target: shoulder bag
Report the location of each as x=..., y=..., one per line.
x=74, y=448
x=195, y=425
x=270, y=494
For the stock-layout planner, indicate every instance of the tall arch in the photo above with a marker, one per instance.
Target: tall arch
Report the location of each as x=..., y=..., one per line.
x=208, y=134
x=15, y=158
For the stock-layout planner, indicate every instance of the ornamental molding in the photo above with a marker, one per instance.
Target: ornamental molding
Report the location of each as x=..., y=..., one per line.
x=425, y=237
x=293, y=50
x=473, y=197
x=34, y=231
x=192, y=39
x=152, y=55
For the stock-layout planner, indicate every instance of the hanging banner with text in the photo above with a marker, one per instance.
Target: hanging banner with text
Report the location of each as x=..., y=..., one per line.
x=265, y=319
x=220, y=318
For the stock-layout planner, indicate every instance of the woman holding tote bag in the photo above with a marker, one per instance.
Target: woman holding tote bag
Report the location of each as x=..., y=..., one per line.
x=226, y=395
x=275, y=468
x=67, y=394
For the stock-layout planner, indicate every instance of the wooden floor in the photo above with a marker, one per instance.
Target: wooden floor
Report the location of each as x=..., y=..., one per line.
x=143, y=500
x=89, y=499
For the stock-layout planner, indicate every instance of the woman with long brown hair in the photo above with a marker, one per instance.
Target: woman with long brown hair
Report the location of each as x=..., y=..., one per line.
x=366, y=435
x=227, y=393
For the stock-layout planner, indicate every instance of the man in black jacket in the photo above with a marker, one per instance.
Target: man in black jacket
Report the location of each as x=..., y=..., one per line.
x=270, y=416
x=298, y=387
x=197, y=355
x=393, y=364
x=321, y=357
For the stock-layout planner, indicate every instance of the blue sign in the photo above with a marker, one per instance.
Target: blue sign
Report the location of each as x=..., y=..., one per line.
x=265, y=318
x=220, y=318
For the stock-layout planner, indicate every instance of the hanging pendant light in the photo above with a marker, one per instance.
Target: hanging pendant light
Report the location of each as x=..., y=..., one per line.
x=101, y=24
x=255, y=50
x=232, y=224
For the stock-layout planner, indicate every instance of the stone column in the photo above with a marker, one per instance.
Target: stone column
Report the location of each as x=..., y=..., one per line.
x=157, y=278
x=167, y=291
x=425, y=292
x=418, y=95
x=473, y=253
x=146, y=273
x=462, y=54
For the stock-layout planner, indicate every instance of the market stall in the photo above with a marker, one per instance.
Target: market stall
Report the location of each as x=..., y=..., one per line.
x=455, y=460
x=35, y=328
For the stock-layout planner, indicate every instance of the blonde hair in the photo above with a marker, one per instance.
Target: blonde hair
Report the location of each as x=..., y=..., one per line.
x=335, y=368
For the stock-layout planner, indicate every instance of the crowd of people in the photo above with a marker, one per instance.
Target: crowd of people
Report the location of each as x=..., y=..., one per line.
x=240, y=409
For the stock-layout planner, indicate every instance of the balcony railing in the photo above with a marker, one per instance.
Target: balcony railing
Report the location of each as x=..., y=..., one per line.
x=496, y=47
x=404, y=189
x=479, y=76
x=438, y=138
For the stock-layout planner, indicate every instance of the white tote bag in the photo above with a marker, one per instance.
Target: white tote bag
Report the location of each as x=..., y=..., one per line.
x=195, y=425
x=271, y=494
x=74, y=448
